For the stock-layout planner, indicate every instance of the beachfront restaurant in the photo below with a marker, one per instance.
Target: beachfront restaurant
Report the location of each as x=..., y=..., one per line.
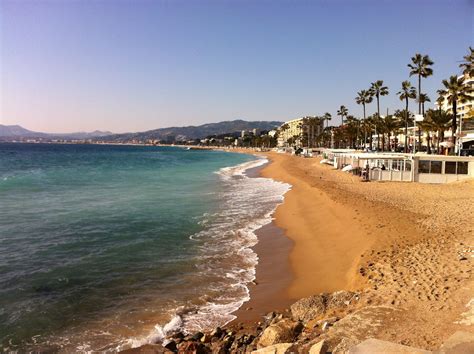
x=421, y=167
x=443, y=169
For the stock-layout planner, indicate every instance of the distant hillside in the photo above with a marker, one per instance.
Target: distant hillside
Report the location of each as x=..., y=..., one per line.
x=196, y=132
x=16, y=131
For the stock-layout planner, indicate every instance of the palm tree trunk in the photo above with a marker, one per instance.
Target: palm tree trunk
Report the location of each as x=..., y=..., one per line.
x=437, y=142
x=378, y=118
x=455, y=124
x=406, y=126
x=419, y=94
x=365, y=130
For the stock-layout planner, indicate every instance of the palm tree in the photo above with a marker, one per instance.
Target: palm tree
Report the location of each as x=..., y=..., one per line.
x=327, y=117
x=364, y=97
x=455, y=91
x=390, y=124
x=377, y=89
x=439, y=121
x=408, y=91
x=422, y=98
x=352, y=131
x=468, y=65
x=343, y=113
x=309, y=125
x=370, y=124
x=420, y=66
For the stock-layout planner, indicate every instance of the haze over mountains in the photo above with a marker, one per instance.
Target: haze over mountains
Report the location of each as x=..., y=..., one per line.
x=17, y=131
x=196, y=132
x=9, y=132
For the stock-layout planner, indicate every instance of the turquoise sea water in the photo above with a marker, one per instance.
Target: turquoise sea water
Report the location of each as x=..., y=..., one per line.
x=107, y=247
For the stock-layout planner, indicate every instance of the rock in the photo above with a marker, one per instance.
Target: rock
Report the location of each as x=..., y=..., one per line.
x=197, y=336
x=216, y=332
x=193, y=347
x=459, y=343
x=205, y=339
x=309, y=308
x=376, y=346
x=281, y=332
x=319, y=348
x=341, y=299
x=170, y=344
x=281, y=348
x=148, y=349
x=178, y=335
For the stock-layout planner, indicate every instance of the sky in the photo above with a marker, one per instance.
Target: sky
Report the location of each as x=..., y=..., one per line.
x=134, y=65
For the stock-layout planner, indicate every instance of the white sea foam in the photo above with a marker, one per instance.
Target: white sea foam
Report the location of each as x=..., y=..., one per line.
x=227, y=260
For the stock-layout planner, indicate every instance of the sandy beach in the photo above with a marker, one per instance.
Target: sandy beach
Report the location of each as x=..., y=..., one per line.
x=405, y=245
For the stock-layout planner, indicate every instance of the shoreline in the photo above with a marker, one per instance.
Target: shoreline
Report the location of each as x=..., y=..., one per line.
x=273, y=273
x=389, y=261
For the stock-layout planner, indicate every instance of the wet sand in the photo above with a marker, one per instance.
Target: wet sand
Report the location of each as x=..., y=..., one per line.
x=274, y=275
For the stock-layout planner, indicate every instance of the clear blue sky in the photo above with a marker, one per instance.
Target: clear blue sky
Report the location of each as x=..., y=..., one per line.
x=137, y=65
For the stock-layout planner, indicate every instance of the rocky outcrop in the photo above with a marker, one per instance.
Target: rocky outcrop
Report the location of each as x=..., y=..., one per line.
x=313, y=307
x=281, y=348
x=309, y=308
x=282, y=331
x=319, y=348
x=375, y=346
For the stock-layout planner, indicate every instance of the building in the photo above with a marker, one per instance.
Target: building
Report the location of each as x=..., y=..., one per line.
x=420, y=167
x=291, y=133
x=288, y=131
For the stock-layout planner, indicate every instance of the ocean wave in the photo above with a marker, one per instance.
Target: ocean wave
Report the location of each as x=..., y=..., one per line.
x=226, y=261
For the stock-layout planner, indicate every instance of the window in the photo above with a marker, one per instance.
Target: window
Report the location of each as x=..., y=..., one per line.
x=462, y=168
x=450, y=167
x=407, y=165
x=435, y=167
x=424, y=167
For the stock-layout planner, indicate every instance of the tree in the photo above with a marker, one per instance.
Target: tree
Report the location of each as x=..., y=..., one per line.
x=352, y=131
x=390, y=125
x=455, y=91
x=343, y=113
x=420, y=65
x=364, y=97
x=422, y=98
x=327, y=117
x=310, y=127
x=408, y=91
x=377, y=89
x=438, y=121
x=468, y=64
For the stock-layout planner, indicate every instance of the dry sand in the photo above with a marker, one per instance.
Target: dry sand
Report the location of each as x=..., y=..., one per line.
x=399, y=243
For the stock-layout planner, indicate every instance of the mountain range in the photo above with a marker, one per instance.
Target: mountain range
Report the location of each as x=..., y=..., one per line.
x=16, y=131
x=196, y=132
x=9, y=132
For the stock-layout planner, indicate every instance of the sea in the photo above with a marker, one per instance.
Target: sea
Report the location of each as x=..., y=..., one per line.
x=108, y=247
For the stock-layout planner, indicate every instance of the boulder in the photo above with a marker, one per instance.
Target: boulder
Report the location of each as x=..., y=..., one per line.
x=319, y=348
x=341, y=299
x=376, y=346
x=309, y=308
x=281, y=348
x=459, y=343
x=193, y=347
x=281, y=332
